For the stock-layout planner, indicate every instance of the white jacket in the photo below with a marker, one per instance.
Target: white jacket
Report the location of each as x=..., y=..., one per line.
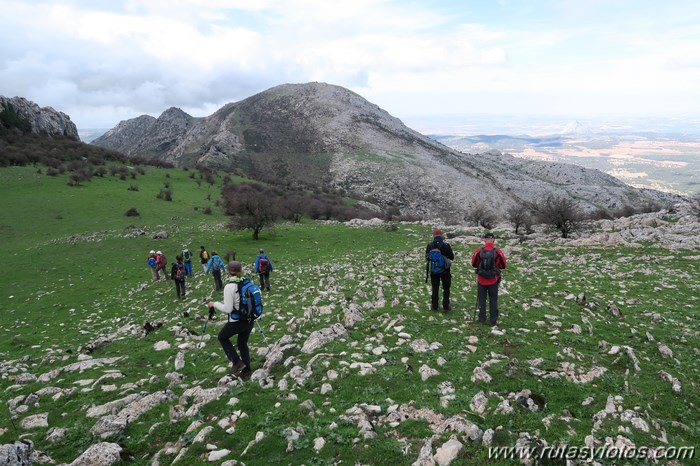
x=231, y=298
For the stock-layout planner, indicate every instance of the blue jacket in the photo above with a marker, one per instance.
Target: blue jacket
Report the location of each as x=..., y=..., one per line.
x=216, y=263
x=257, y=262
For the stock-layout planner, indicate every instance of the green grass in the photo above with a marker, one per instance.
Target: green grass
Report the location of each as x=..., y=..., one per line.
x=74, y=272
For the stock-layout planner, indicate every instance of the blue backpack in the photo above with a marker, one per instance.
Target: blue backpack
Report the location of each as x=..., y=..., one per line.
x=250, y=306
x=437, y=262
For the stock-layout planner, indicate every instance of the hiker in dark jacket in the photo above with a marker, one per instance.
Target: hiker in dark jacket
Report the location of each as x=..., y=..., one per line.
x=178, y=274
x=488, y=280
x=203, y=258
x=444, y=276
x=263, y=265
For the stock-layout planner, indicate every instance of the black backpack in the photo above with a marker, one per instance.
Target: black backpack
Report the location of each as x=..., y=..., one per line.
x=487, y=265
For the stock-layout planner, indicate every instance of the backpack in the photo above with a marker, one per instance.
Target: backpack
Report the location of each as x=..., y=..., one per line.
x=487, y=265
x=250, y=306
x=152, y=262
x=204, y=255
x=217, y=264
x=186, y=255
x=438, y=262
x=179, y=272
x=163, y=260
x=264, y=265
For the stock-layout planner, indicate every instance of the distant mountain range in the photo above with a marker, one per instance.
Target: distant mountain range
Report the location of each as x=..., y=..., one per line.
x=325, y=136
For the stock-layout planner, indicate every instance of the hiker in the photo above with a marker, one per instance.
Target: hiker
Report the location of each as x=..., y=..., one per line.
x=216, y=265
x=153, y=264
x=203, y=258
x=161, y=262
x=234, y=326
x=178, y=275
x=187, y=260
x=263, y=265
x=439, y=257
x=488, y=262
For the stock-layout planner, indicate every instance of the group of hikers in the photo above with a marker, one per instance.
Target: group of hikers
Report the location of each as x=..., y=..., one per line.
x=235, y=293
x=239, y=298
x=487, y=260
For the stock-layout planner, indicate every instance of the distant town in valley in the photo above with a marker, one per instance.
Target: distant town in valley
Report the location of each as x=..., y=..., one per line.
x=662, y=154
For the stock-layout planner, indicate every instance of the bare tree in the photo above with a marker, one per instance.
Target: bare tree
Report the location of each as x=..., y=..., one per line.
x=519, y=216
x=560, y=212
x=251, y=205
x=482, y=215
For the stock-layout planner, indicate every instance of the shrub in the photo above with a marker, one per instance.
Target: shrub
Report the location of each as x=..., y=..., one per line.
x=165, y=194
x=207, y=210
x=133, y=187
x=132, y=212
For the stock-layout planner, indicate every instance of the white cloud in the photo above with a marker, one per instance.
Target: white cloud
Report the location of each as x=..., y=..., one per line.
x=101, y=62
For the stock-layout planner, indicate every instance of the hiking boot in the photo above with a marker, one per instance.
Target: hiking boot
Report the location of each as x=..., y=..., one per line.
x=237, y=367
x=433, y=308
x=245, y=373
x=447, y=308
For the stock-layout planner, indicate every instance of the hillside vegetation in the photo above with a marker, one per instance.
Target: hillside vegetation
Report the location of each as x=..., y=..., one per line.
x=597, y=345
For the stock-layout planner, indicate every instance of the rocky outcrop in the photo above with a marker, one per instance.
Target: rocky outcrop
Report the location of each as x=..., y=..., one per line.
x=148, y=137
x=44, y=121
x=330, y=137
x=16, y=454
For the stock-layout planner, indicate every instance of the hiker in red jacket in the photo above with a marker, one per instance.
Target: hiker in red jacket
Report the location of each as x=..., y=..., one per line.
x=488, y=262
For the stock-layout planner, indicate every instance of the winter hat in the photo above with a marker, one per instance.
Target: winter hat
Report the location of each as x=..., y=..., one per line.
x=159, y=252
x=437, y=232
x=152, y=252
x=262, y=250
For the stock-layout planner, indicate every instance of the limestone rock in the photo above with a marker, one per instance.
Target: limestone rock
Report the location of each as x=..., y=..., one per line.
x=100, y=454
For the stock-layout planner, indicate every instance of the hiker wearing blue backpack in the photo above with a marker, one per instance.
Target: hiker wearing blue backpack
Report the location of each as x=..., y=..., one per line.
x=153, y=264
x=488, y=262
x=216, y=265
x=263, y=265
x=439, y=257
x=242, y=305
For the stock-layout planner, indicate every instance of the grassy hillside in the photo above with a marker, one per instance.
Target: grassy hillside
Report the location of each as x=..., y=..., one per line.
x=76, y=278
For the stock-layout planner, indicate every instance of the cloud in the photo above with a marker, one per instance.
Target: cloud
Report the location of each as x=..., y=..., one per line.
x=101, y=62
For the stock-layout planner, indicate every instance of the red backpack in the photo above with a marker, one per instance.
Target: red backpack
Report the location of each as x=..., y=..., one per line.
x=264, y=265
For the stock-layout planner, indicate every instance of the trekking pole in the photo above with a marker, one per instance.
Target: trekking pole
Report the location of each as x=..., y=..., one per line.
x=204, y=331
x=261, y=333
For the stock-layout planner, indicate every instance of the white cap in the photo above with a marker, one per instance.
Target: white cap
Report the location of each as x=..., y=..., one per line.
x=159, y=252
x=152, y=252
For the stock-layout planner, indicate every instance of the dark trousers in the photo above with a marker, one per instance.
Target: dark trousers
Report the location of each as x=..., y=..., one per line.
x=180, y=288
x=492, y=291
x=241, y=328
x=217, y=279
x=265, y=280
x=446, y=279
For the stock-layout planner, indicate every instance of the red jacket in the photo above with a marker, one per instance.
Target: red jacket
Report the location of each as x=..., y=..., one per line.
x=500, y=262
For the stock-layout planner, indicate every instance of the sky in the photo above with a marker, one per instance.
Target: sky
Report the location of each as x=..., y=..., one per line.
x=103, y=61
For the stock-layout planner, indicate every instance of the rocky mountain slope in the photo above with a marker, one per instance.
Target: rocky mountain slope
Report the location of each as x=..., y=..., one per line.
x=44, y=121
x=325, y=135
